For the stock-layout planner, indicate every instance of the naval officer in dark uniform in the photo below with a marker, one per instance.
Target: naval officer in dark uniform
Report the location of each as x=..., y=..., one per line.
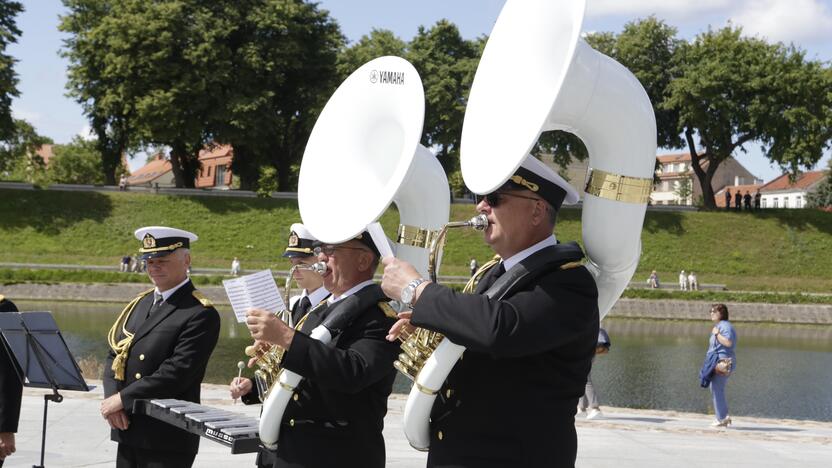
x=159, y=348
x=336, y=415
x=299, y=251
x=11, y=394
x=510, y=401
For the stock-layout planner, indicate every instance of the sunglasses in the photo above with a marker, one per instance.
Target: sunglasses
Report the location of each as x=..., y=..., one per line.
x=329, y=249
x=495, y=198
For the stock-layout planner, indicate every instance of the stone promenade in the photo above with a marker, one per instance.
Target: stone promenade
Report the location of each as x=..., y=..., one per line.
x=78, y=437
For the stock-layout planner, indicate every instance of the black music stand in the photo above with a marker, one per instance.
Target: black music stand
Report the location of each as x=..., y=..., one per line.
x=43, y=360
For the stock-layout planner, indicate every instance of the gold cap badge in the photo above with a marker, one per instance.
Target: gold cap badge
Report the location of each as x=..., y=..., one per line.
x=293, y=240
x=149, y=242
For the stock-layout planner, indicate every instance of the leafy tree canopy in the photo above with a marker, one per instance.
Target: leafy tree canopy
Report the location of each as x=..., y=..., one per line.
x=18, y=157
x=731, y=91
x=8, y=78
x=378, y=43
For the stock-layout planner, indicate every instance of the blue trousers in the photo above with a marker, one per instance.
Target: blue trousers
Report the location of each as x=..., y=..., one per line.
x=718, y=383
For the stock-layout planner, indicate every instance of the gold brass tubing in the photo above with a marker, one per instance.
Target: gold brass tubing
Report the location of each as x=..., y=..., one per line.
x=616, y=187
x=415, y=236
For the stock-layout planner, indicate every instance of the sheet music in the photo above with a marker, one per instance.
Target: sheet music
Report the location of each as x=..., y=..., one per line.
x=380, y=239
x=254, y=291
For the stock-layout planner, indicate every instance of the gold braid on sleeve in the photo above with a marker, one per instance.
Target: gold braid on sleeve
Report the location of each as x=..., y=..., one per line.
x=122, y=347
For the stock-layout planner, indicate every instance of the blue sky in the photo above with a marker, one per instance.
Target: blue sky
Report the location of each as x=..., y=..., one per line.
x=806, y=23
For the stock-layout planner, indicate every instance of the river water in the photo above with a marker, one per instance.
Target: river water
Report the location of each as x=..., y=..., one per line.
x=783, y=371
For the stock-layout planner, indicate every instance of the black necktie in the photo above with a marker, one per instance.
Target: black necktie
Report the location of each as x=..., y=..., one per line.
x=303, y=307
x=491, y=277
x=157, y=302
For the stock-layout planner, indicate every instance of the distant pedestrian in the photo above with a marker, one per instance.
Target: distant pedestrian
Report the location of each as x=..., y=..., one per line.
x=122, y=182
x=757, y=199
x=235, y=267
x=746, y=199
x=693, y=283
x=737, y=201
x=683, y=281
x=473, y=266
x=590, y=398
x=137, y=264
x=653, y=280
x=720, y=362
x=727, y=199
x=124, y=267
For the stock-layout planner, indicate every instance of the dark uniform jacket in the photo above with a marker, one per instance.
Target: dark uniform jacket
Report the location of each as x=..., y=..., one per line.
x=336, y=416
x=167, y=359
x=510, y=401
x=266, y=457
x=11, y=389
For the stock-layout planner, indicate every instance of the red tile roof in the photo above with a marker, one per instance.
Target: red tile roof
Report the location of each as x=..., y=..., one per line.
x=804, y=181
x=215, y=152
x=150, y=171
x=673, y=158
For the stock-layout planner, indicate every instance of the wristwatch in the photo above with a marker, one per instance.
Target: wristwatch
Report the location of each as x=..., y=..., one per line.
x=409, y=292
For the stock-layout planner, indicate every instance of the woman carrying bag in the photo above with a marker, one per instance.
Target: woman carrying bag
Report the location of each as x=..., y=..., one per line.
x=720, y=362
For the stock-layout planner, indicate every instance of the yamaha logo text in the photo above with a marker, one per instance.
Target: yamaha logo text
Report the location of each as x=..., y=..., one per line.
x=387, y=77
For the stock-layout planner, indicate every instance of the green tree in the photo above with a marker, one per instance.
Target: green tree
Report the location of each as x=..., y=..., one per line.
x=18, y=157
x=78, y=162
x=378, y=43
x=93, y=83
x=447, y=63
x=283, y=55
x=8, y=78
x=731, y=91
x=154, y=71
x=684, y=189
x=821, y=197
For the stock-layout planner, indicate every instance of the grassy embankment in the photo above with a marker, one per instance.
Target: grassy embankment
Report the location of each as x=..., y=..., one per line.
x=774, y=250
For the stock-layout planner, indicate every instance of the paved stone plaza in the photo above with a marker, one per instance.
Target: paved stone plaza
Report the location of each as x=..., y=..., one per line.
x=78, y=437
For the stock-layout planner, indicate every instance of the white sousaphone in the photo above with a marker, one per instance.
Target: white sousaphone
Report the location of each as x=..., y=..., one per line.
x=536, y=75
x=363, y=154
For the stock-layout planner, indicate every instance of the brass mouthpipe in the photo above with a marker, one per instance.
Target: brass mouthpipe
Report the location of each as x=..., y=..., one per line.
x=478, y=222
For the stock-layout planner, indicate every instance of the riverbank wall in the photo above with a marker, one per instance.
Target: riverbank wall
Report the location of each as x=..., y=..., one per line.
x=816, y=314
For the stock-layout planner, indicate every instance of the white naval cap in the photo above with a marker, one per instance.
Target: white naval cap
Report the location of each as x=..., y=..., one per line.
x=301, y=242
x=158, y=241
x=543, y=180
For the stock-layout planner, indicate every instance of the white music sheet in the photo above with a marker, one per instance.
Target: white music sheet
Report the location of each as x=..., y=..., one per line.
x=380, y=239
x=254, y=291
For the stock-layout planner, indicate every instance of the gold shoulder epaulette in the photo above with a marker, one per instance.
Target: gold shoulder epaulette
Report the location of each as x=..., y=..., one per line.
x=387, y=309
x=570, y=265
x=2, y=297
x=201, y=298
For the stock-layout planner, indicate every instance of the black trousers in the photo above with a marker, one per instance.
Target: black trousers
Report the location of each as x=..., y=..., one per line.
x=134, y=457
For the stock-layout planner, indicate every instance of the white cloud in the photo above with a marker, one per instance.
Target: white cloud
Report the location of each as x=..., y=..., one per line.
x=663, y=8
x=787, y=21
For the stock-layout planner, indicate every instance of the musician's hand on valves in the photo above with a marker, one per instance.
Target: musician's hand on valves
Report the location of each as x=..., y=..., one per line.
x=266, y=326
x=240, y=386
x=397, y=274
x=402, y=327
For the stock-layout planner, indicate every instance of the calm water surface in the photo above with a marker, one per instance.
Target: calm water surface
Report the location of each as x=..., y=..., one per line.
x=783, y=371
